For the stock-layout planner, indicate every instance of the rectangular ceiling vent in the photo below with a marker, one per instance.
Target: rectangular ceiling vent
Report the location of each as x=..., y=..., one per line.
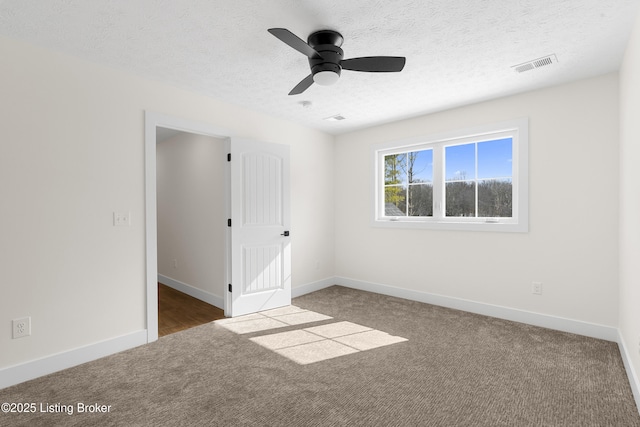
x=335, y=118
x=536, y=63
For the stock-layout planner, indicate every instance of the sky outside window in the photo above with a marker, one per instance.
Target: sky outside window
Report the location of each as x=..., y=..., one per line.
x=460, y=162
x=494, y=160
x=422, y=166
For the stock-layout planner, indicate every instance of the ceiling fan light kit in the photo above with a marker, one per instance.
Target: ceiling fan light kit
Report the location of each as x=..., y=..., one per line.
x=326, y=58
x=326, y=78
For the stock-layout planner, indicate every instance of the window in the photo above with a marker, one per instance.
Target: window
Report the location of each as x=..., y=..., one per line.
x=468, y=180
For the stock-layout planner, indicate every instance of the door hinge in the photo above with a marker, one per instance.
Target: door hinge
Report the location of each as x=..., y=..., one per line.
x=228, y=157
x=229, y=222
x=229, y=287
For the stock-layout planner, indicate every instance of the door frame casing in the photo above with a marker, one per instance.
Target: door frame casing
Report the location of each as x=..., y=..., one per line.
x=152, y=121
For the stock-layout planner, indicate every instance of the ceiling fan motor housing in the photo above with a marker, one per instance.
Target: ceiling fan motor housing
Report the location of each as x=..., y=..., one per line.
x=327, y=43
x=330, y=61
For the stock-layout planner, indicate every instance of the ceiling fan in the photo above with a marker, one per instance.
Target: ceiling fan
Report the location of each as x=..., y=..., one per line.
x=325, y=58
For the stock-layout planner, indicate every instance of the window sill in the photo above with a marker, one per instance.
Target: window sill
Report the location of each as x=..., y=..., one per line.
x=488, y=226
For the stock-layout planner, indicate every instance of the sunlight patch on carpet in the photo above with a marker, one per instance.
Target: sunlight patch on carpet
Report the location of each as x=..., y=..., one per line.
x=271, y=319
x=312, y=344
x=315, y=352
x=338, y=329
x=325, y=342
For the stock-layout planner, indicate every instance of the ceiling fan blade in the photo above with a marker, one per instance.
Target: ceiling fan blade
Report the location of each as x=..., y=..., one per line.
x=302, y=86
x=374, y=64
x=295, y=42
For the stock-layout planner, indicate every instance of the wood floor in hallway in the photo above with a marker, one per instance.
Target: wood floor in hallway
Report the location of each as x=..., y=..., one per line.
x=178, y=311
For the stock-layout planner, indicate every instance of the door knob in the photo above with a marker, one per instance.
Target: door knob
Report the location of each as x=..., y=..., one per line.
x=286, y=233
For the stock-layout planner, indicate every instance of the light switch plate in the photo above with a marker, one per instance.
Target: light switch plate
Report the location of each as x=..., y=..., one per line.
x=122, y=219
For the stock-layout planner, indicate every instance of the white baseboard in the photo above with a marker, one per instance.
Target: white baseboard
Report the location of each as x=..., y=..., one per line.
x=26, y=371
x=205, y=296
x=593, y=330
x=312, y=287
x=634, y=381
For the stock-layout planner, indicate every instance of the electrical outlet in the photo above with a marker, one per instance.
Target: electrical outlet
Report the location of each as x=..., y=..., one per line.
x=21, y=327
x=536, y=288
x=175, y=263
x=122, y=219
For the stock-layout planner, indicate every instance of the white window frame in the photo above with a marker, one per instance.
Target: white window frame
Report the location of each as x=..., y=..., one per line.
x=517, y=129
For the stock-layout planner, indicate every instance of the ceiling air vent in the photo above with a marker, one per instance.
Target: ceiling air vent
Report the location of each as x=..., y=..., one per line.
x=335, y=118
x=536, y=63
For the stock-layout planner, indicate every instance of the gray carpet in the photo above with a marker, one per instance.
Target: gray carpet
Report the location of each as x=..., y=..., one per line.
x=456, y=369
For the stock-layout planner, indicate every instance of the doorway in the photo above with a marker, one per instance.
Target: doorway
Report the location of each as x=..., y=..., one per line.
x=257, y=254
x=173, y=125
x=191, y=228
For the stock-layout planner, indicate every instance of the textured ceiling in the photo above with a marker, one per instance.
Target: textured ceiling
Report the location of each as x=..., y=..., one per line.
x=458, y=51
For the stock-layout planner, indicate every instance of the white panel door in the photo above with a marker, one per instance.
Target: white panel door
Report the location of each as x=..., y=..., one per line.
x=260, y=243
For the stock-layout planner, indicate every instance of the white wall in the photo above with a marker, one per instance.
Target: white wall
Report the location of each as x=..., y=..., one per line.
x=191, y=211
x=572, y=242
x=630, y=204
x=72, y=154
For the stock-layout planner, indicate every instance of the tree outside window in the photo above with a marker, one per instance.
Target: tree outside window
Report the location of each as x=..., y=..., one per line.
x=408, y=186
